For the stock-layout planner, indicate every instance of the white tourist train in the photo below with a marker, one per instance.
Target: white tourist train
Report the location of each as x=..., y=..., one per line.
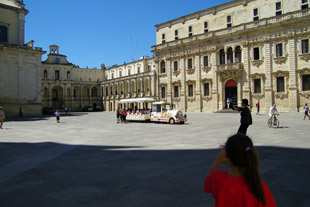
x=138, y=110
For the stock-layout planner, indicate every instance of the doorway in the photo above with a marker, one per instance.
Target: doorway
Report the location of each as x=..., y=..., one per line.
x=231, y=92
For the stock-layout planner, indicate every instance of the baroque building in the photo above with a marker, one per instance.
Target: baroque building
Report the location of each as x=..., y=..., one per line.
x=254, y=49
x=20, y=63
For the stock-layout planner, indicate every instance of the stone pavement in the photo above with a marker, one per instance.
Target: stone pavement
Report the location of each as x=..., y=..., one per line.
x=88, y=160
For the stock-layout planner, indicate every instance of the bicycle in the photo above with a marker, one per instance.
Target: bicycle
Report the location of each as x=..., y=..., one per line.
x=273, y=122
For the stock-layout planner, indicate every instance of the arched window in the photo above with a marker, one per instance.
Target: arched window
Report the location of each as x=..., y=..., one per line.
x=94, y=92
x=162, y=66
x=68, y=75
x=3, y=34
x=230, y=57
x=45, y=74
x=238, y=54
x=222, y=57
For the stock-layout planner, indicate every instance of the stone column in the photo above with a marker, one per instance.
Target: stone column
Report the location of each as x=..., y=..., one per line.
x=268, y=81
x=169, y=77
x=21, y=27
x=215, y=87
x=198, y=92
x=293, y=87
x=245, y=80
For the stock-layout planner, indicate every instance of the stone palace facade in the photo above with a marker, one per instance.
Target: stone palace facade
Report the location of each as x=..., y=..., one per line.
x=254, y=49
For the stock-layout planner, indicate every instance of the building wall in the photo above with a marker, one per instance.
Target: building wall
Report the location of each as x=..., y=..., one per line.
x=287, y=30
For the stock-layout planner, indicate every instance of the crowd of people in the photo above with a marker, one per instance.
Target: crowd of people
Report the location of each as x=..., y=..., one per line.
x=121, y=113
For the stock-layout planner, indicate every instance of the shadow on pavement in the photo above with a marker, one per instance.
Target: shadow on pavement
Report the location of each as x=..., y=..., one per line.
x=52, y=174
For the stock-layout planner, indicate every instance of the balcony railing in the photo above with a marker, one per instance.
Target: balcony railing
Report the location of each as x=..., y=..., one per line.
x=231, y=66
x=238, y=28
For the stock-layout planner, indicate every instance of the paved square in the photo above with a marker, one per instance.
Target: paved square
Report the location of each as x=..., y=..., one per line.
x=89, y=160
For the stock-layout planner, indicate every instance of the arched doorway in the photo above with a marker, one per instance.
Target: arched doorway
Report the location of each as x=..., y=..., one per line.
x=57, y=97
x=231, y=92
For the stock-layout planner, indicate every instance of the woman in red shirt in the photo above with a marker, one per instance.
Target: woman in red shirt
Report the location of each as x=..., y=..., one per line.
x=242, y=186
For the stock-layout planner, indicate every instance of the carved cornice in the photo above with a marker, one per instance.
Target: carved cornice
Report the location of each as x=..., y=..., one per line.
x=235, y=74
x=257, y=63
x=305, y=57
x=280, y=60
x=206, y=69
x=305, y=71
x=176, y=99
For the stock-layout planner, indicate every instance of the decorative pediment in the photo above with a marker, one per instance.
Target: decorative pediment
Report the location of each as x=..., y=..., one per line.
x=230, y=74
x=176, y=83
x=163, y=75
x=305, y=71
x=281, y=73
x=206, y=80
x=258, y=75
x=281, y=95
x=207, y=98
x=258, y=95
x=190, y=82
x=191, y=99
x=176, y=99
x=305, y=94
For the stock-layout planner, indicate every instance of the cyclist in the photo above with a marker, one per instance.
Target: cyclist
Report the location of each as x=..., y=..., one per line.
x=273, y=110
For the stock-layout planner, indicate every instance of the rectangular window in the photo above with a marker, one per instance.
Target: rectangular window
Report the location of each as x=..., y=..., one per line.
x=278, y=9
x=189, y=64
x=120, y=73
x=163, y=92
x=280, y=84
x=57, y=75
x=257, y=86
x=206, y=89
x=163, y=37
x=205, y=61
x=176, y=34
x=138, y=69
x=255, y=14
x=305, y=46
x=176, y=91
x=206, y=28
x=190, y=31
x=279, y=50
x=304, y=4
x=175, y=65
x=128, y=71
x=306, y=82
x=228, y=21
x=256, y=53
x=190, y=91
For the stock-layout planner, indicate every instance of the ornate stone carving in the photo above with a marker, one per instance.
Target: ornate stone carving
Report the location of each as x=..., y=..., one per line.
x=191, y=99
x=258, y=95
x=305, y=57
x=281, y=95
x=207, y=98
x=280, y=60
x=305, y=94
x=176, y=73
x=163, y=75
x=190, y=71
x=176, y=99
x=257, y=63
x=206, y=69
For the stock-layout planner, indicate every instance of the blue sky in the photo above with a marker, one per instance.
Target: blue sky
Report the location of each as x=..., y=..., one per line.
x=101, y=31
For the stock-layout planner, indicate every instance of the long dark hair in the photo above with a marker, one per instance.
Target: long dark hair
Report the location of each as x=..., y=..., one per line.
x=241, y=152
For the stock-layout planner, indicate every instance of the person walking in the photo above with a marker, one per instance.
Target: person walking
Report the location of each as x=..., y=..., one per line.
x=306, y=107
x=57, y=113
x=246, y=118
x=2, y=117
x=20, y=114
x=242, y=185
x=257, y=107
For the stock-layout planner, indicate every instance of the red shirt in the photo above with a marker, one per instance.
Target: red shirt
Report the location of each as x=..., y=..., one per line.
x=234, y=192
